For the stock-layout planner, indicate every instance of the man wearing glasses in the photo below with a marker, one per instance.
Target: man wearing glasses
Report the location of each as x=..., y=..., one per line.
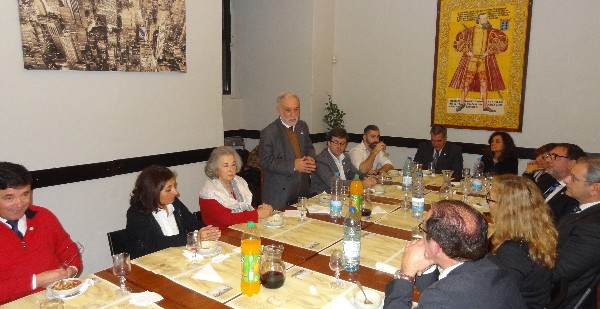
x=579, y=236
x=334, y=159
x=36, y=251
x=455, y=239
x=560, y=161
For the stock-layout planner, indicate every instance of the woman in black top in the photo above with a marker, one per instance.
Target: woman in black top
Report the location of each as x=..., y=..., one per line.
x=156, y=218
x=501, y=156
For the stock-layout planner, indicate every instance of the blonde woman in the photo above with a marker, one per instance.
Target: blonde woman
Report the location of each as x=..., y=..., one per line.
x=524, y=238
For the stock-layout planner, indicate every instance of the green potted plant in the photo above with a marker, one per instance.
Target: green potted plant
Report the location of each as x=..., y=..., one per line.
x=334, y=116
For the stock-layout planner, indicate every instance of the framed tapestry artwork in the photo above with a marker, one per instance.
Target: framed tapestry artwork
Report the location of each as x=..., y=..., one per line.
x=481, y=64
x=103, y=35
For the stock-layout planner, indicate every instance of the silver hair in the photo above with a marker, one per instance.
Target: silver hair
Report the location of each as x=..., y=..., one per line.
x=286, y=94
x=593, y=168
x=212, y=165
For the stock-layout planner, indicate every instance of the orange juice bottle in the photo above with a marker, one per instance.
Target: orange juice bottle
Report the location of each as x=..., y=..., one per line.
x=356, y=191
x=250, y=283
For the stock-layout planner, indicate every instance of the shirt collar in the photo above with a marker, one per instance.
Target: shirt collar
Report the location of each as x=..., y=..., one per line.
x=341, y=158
x=447, y=271
x=588, y=205
x=285, y=124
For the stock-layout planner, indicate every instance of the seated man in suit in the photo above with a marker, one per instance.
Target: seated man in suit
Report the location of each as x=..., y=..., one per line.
x=578, y=246
x=444, y=155
x=455, y=239
x=370, y=157
x=36, y=251
x=286, y=154
x=560, y=161
x=333, y=159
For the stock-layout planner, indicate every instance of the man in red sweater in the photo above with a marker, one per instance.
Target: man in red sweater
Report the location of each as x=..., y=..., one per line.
x=35, y=250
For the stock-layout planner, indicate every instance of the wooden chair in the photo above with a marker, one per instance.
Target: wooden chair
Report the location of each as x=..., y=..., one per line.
x=117, y=241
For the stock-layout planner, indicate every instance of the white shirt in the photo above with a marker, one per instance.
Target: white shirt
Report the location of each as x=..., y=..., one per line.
x=22, y=226
x=360, y=153
x=562, y=185
x=446, y=271
x=588, y=205
x=338, y=163
x=166, y=220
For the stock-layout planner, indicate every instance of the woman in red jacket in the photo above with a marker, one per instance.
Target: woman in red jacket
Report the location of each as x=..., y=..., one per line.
x=225, y=198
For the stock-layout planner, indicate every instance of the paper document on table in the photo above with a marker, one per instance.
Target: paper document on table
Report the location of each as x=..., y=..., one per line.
x=144, y=299
x=315, y=209
x=293, y=213
x=208, y=273
x=378, y=210
x=386, y=268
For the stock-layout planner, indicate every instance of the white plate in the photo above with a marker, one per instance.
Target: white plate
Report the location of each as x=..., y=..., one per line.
x=378, y=192
x=81, y=290
x=211, y=254
x=274, y=226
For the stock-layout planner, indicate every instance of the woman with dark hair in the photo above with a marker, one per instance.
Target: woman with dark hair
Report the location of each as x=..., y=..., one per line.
x=156, y=218
x=524, y=238
x=501, y=156
x=225, y=198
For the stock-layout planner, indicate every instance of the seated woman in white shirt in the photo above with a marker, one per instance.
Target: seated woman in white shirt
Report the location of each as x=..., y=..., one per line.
x=156, y=218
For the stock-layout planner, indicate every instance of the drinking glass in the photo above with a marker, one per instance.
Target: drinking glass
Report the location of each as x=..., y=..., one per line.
x=407, y=202
x=302, y=208
x=121, y=268
x=466, y=172
x=465, y=186
x=345, y=192
x=193, y=245
x=336, y=263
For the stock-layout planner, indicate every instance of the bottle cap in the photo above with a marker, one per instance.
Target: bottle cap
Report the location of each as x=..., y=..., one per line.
x=356, y=176
x=250, y=223
x=352, y=209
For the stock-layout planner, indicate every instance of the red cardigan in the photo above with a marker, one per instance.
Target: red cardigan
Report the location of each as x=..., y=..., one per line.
x=45, y=246
x=213, y=213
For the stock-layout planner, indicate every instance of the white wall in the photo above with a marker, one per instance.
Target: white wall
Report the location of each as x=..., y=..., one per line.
x=384, y=69
x=55, y=118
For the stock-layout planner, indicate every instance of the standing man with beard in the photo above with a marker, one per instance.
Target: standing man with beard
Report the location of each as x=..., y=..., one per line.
x=478, y=70
x=369, y=157
x=286, y=154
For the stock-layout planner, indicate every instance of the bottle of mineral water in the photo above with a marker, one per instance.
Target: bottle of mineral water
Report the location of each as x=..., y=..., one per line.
x=407, y=176
x=477, y=179
x=337, y=191
x=418, y=198
x=351, y=241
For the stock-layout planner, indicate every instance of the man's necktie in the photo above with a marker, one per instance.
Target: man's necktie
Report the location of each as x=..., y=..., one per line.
x=436, y=156
x=15, y=227
x=551, y=189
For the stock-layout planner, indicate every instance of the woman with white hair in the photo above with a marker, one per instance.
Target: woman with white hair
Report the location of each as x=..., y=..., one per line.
x=225, y=198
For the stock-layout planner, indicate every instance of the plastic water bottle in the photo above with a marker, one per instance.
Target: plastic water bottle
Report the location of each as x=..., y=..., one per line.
x=337, y=191
x=407, y=176
x=250, y=282
x=418, y=197
x=351, y=241
x=477, y=181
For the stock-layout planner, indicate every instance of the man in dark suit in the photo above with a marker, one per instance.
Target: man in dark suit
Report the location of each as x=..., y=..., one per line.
x=445, y=155
x=579, y=235
x=334, y=159
x=286, y=154
x=455, y=239
x=560, y=161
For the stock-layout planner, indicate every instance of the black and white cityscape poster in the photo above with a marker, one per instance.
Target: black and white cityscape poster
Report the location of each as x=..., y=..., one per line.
x=104, y=35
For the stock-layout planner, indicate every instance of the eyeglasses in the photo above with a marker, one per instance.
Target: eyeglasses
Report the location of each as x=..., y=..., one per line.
x=420, y=226
x=337, y=143
x=575, y=179
x=553, y=156
x=488, y=198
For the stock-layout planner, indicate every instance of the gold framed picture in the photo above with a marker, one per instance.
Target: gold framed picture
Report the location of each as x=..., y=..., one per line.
x=481, y=64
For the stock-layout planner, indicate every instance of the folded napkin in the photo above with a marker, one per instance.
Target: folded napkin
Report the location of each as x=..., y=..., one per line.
x=294, y=213
x=316, y=209
x=145, y=298
x=237, y=250
x=378, y=210
x=208, y=273
x=221, y=257
x=190, y=255
x=386, y=268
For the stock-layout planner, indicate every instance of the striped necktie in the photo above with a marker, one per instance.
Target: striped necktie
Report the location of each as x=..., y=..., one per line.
x=14, y=224
x=436, y=156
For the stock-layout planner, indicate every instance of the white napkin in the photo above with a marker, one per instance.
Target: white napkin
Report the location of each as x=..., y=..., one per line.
x=316, y=209
x=190, y=255
x=208, y=273
x=294, y=213
x=237, y=250
x=144, y=299
x=220, y=258
x=386, y=268
x=378, y=210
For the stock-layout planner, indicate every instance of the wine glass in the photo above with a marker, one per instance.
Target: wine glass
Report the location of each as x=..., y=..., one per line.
x=336, y=263
x=465, y=186
x=302, y=208
x=466, y=172
x=121, y=268
x=193, y=245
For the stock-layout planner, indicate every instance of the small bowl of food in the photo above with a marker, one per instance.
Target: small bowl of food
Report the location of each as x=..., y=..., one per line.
x=208, y=247
x=65, y=287
x=275, y=220
x=378, y=189
x=374, y=297
x=394, y=173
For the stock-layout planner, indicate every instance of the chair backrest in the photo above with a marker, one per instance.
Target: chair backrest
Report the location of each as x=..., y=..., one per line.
x=237, y=142
x=117, y=241
x=588, y=291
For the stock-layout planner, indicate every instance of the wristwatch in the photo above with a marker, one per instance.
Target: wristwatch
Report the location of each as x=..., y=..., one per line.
x=400, y=275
